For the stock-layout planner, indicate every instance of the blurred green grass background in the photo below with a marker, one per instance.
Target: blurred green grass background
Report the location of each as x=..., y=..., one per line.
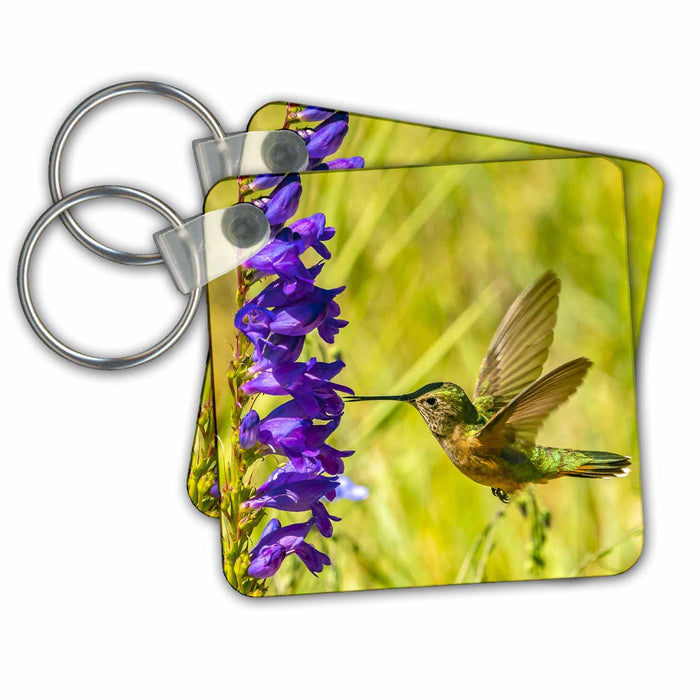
x=389, y=143
x=432, y=257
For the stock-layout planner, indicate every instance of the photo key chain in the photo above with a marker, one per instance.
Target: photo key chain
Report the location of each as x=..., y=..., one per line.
x=415, y=335
x=352, y=451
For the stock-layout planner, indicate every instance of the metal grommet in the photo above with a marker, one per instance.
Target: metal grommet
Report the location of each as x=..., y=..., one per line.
x=28, y=305
x=284, y=151
x=108, y=93
x=244, y=225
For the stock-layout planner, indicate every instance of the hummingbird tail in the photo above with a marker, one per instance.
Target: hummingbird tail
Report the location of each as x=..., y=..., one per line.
x=599, y=465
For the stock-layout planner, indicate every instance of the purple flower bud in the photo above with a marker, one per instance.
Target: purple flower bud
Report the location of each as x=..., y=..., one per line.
x=249, y=429
x=354, y=163
x=282, y=202
x=312, y=114
x=326, y=138
x=259, y=183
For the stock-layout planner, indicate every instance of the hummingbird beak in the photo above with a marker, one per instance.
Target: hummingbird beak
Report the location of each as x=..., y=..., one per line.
x=402, y=397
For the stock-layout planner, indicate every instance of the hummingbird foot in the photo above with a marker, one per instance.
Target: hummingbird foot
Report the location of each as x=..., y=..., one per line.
x=501, y=495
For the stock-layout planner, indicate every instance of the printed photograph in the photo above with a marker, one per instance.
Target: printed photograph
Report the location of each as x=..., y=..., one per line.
x=425, y=378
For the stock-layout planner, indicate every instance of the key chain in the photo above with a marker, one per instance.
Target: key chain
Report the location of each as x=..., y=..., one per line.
x=354, y=272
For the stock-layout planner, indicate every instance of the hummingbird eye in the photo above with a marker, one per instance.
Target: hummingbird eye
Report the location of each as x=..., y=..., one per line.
x=431, y=401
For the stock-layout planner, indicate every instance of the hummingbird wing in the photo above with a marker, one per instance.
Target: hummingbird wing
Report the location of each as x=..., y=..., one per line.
x=521, y=344
x=524, y=415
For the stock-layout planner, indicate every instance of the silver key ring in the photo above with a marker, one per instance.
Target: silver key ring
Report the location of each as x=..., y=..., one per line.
x=58, y=209
x=100, y=97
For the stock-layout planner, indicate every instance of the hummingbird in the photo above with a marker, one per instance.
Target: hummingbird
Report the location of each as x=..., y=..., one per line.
x=491, y=438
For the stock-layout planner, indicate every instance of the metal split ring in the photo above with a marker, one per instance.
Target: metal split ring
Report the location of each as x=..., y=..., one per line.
x=100, y=97
x=61, y=208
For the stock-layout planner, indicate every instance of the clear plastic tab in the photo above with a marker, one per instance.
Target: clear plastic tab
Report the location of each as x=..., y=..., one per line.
x=213, y=244
x=249, y=153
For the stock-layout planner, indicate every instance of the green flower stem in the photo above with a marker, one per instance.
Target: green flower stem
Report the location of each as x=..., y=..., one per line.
x=237, y=524
x=203, y=473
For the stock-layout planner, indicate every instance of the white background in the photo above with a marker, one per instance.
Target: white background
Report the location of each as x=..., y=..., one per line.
x=111, y=583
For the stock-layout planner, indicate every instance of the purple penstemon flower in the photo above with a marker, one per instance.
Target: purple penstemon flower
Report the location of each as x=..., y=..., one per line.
x=287, y=291
x=288, y=489
x=315, y=310
x=288, y=431
x=310, y=231
x=304, y=377
x=276, y=350
x=282, y=202
x=308, y=113
x=259, y=183
x=307, y=382
x=281, y=258
x=276, y=322
x=254, y=322
x=325, y=139
x=249, y=429
x=348, y=490
x=277, y=542
x=353, y=163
